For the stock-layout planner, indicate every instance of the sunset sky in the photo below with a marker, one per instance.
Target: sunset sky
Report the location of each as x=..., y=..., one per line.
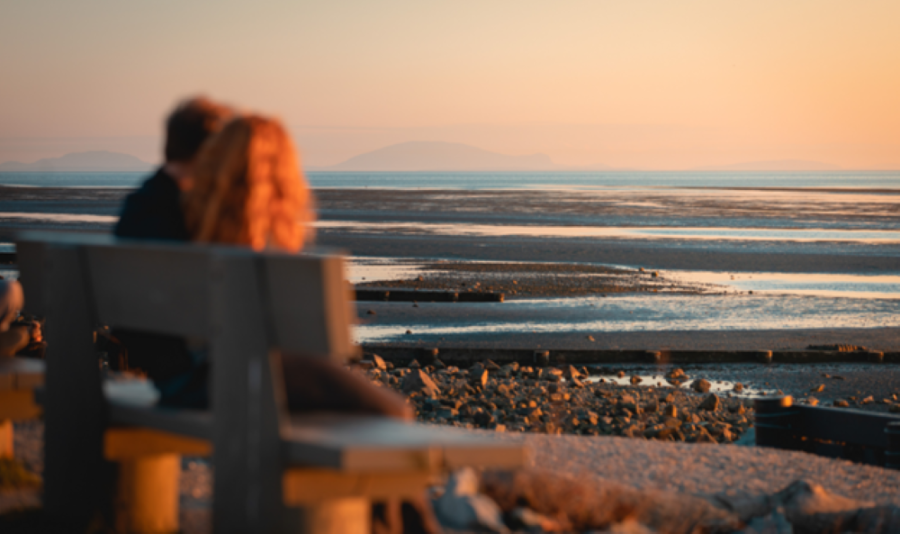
x=639, y=84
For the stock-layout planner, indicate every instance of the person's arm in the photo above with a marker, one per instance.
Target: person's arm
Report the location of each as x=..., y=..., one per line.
x=314, y=384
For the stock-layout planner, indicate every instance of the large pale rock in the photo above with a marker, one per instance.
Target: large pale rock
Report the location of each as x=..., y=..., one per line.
x=774, y=523
x=377, y=361
x=419, y=381
x=461, y=507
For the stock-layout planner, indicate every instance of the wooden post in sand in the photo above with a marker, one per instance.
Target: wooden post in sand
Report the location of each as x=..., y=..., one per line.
x=892, y=454
x=146, y=499
x=6, y=439
x=774, y=422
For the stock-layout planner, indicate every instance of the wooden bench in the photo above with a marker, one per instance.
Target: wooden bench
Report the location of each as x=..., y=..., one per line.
x=18, y=378
x=862, y=436
x=273, y=471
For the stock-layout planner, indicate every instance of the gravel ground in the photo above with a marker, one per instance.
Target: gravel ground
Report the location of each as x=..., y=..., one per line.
x=704, y=469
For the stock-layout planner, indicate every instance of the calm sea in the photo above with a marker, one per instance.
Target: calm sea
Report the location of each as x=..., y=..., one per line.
x=514, y=180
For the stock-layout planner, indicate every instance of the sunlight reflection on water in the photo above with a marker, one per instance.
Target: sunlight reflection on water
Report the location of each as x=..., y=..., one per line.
x=641, y=313
x=730, y=234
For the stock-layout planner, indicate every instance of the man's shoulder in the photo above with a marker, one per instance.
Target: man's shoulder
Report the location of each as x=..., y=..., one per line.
x=160, y=183
x=153, y=211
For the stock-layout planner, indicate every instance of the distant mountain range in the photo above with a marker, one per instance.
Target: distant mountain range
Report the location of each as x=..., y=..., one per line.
x=412, y=156
x=96, y=161
x=775, y=165
x=440, y=156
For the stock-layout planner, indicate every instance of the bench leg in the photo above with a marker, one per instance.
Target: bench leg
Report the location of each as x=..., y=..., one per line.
x=351, y=515
x=147, y=494
x=6, y=439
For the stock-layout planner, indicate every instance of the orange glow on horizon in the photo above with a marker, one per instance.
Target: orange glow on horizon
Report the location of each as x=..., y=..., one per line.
x=644, y=84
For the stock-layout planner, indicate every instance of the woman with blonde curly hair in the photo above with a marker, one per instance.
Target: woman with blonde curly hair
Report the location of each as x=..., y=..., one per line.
x=247, y=189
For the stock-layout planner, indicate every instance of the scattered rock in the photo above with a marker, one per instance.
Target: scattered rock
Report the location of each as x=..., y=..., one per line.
x=774, y=523
x=377, y=361
x=461, y=507
x=676, y=373
x=571, y=372
x=701, y=385
x=418, y=381
x=738, y=387
x=710, y=403
x=841, y=403
x=479, y=379
x=818, y=389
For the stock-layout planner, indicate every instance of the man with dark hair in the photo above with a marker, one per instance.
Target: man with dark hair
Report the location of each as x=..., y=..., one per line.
x=154, y=210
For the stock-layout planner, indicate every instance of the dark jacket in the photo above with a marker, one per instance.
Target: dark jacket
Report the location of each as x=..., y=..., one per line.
x=154, y=212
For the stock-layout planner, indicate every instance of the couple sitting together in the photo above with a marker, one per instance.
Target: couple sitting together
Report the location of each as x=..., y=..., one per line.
x=233, y=179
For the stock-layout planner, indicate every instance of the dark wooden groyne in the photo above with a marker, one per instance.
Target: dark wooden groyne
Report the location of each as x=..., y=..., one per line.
x=860, y=436
x=422, y=295
x=464, y=357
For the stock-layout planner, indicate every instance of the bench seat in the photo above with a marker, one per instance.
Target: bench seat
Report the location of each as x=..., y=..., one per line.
x=274, y=471
x=336, y=441
x=18, y=379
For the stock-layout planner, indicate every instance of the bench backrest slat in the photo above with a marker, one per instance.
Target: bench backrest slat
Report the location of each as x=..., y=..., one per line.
x=311, y=309
x=157, y=289
x=165, y=288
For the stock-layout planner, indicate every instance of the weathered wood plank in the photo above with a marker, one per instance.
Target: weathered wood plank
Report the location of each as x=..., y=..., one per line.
x=133, y=403
x=311, y=311
x=18, y=405
x=21, y=374
x=152, y=288
x=131, y=443
x=247, y=451
x=842, y=424
x=372, y=444
x=310, y=486
x=76, y=478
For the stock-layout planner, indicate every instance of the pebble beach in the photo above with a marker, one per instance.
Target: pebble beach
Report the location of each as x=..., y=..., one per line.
x=661, y=269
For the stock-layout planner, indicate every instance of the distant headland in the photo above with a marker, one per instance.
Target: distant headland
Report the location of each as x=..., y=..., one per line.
x=94, y=161
x=441, y=156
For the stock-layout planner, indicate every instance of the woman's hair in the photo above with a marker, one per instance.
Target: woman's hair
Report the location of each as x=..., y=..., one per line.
x=248, y=188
